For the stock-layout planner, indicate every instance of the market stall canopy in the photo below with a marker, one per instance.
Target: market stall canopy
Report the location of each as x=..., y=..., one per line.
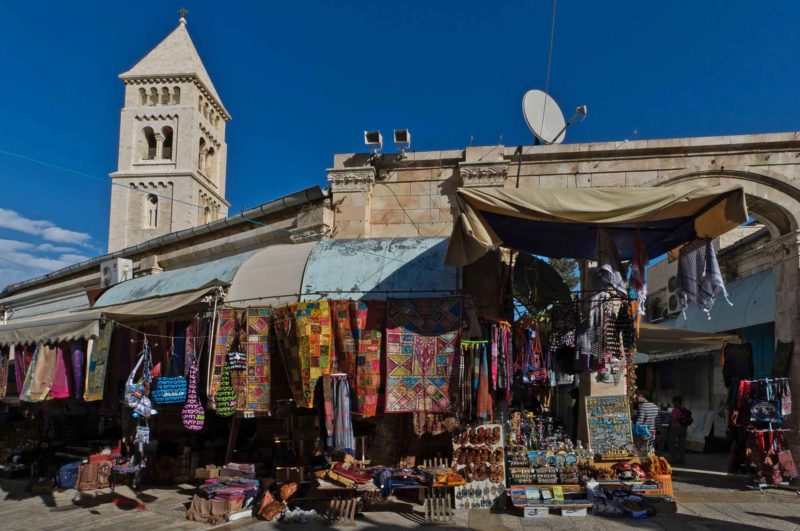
x=753, y=299
x=563, y=222
x=192, y=278
x=655, y=339
x=64, y=327
x=272, y=276
x=377, y=268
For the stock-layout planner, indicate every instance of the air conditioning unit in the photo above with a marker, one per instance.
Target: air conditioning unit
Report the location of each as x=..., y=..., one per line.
x=115, y=271
x=672, y=299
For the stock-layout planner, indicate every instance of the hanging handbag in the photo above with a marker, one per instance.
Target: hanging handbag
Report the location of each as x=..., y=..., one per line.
x=225, y=397
x=193, y=414
x=169, y=389
x=136, y=392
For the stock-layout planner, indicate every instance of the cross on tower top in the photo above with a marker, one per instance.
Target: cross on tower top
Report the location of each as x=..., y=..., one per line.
x=183, y=12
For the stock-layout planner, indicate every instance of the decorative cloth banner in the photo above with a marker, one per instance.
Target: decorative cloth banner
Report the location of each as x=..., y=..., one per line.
x=40, y=374
x=98, y=363
x=5, y=354
x=421, y=340
x=305, y=337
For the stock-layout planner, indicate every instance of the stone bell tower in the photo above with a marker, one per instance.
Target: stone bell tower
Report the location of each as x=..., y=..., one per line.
x=172, y=153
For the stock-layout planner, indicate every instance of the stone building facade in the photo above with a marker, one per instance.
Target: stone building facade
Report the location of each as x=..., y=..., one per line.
x=414, y=194
x=171, y=168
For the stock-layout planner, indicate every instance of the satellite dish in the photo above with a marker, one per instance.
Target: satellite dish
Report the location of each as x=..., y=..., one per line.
x=544, y=117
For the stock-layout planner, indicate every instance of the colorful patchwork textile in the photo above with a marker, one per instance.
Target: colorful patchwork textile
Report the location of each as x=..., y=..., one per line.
x=305, y=339
x=343, y=317
x=314, y=340
x=230, y=327
x=370, y=322
x=422, y=336
x=98, y=363
x=256, y=396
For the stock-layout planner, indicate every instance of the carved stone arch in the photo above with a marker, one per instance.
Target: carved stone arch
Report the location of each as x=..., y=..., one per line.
x=772, y=199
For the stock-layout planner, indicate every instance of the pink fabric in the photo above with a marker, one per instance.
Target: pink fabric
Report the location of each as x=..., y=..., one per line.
x=20, y=367
x=60, y=388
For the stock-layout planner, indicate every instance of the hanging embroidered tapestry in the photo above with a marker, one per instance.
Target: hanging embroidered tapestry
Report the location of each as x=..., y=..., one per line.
x=343, y=321
x=229, y=325
x=257, y=384
x=98, y=363
x=314, y=342
x=305, y=339
x=421, y=340
x=370, y=322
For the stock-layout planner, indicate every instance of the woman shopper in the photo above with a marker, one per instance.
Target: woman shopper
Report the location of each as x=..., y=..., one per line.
x=680, y=419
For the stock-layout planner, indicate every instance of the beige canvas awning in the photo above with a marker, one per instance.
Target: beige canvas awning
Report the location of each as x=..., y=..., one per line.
x=65, y=327
x=563, y=222
x=661, y=340
x=86, y=324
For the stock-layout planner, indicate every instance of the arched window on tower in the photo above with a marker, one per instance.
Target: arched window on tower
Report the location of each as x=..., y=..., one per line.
x=142, y=96
x=210, y=162
x=165, y=96
x=200, y=104
x=166, y=147
x=201, y=155
x=153, y=96
x=205, y=110
x=207, y=218
x=151, y=211
x=176, y=95
x=148, y=144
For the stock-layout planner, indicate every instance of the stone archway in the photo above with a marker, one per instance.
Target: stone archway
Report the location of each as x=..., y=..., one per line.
x=775, y=201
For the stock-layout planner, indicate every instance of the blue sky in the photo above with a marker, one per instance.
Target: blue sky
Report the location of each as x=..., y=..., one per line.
x=304, y=79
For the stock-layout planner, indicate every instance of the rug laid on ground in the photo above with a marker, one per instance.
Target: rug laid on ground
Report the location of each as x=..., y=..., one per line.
x=422, y=336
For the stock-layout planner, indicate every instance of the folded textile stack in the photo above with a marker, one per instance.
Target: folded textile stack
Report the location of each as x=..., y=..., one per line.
x=209, y=471
x=244, y=470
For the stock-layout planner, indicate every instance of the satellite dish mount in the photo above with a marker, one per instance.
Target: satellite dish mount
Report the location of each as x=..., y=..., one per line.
x=545, y=119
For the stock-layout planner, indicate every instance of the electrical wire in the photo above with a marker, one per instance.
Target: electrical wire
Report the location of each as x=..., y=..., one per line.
x=549, y=62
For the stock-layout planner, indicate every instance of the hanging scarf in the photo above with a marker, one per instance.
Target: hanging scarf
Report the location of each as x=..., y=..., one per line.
x=484, y=409
x=5, y=354
x=638, y=280
x=78, y=357
x=97, y=364
x=60, y=387
x=493, y=384
x=343, y=433
x=40, y=374
x=20, y=366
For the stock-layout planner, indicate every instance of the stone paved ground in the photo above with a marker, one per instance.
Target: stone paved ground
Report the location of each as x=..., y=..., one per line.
x=706, y=500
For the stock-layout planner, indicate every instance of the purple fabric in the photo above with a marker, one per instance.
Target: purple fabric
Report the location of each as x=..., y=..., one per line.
x=60, y=388
x=78, y=357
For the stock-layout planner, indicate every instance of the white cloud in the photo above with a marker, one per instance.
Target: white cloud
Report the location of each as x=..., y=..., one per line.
x=50, y=248
x=10, y=219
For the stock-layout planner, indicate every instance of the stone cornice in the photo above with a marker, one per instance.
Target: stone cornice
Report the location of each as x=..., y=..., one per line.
x=481, y=174
x=351, y=179
x=171, y=174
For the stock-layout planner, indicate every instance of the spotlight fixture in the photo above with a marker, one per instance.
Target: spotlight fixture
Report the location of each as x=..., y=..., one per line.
x=402, y=139
x=374, y=138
